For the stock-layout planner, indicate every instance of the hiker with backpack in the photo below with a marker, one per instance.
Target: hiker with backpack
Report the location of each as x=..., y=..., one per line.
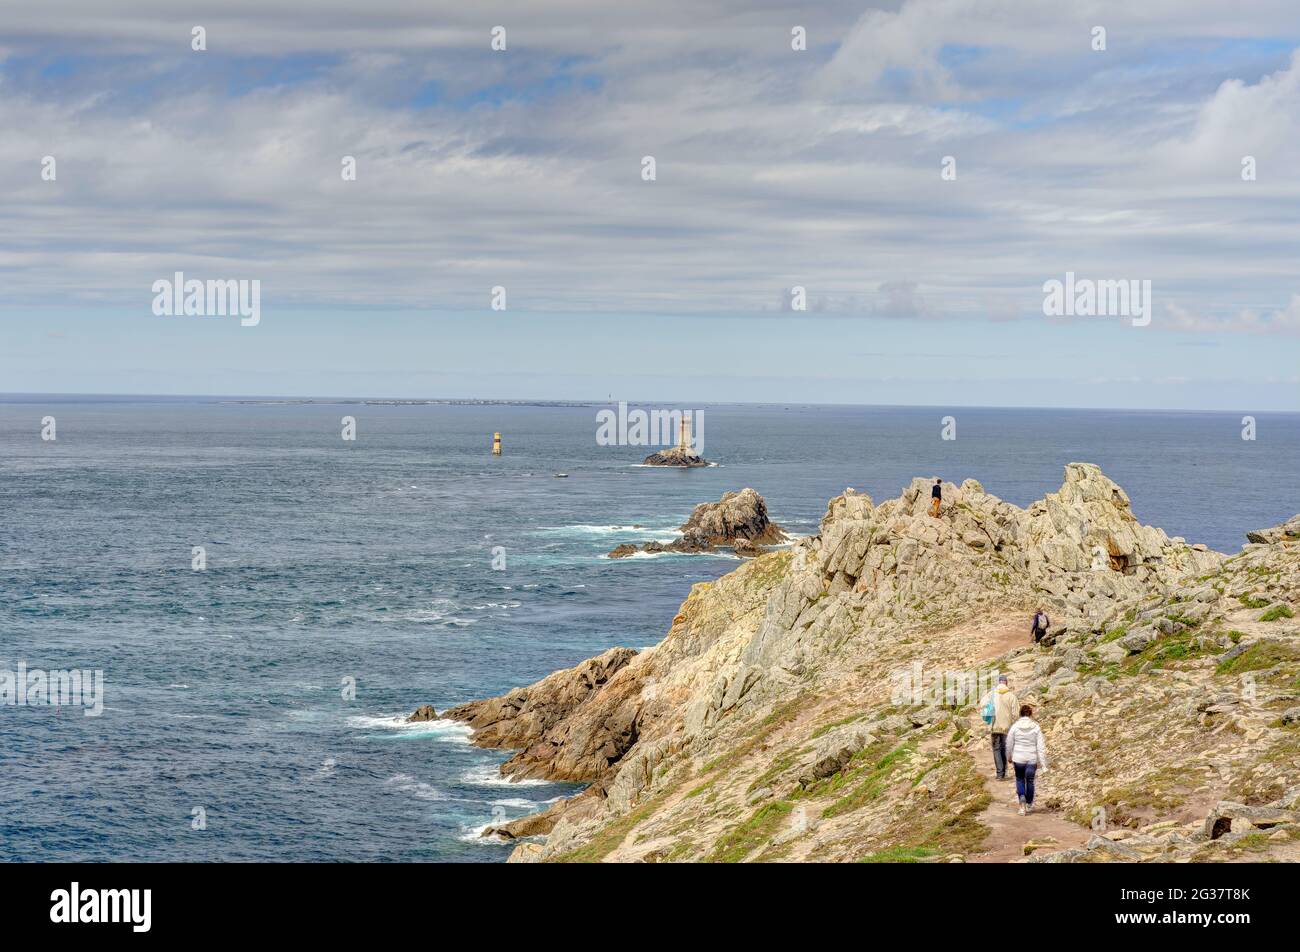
x=1039, y=626
x=936, y=497
x=1000, y=706
x=1028, y=755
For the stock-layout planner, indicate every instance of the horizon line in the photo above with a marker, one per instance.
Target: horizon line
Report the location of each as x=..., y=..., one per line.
x=25, y=397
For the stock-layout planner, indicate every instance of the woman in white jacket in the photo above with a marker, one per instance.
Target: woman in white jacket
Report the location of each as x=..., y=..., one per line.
x=1028, y=754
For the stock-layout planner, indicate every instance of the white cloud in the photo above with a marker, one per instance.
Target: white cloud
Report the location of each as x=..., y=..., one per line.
x=775, y=168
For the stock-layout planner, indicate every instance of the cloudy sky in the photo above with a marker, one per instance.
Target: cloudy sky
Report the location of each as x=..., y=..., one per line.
x=775, y=168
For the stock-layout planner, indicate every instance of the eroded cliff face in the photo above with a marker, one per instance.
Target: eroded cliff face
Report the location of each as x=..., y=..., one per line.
x=789, y=711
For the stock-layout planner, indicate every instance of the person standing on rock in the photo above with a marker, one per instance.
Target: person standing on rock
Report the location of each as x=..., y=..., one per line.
x=936, y=496
x=1041, y=623
x=1001, y=706
x=1028, y=753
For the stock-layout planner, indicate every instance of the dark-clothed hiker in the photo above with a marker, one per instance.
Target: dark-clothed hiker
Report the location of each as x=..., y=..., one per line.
x=936, y=496
x=1040, y=625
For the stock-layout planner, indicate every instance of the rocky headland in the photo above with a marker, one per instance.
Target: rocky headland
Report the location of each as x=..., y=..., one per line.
x=821, y=702
x=737, y=522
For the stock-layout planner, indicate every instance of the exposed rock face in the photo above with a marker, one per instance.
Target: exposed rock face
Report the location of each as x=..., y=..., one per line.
x=737, y=521
x=543, y=722
x=1288, y=531
x=676, y=456
x=769, y=721
x=424, y=712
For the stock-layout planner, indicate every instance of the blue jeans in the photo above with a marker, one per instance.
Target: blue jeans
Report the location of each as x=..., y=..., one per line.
x=1025, y=782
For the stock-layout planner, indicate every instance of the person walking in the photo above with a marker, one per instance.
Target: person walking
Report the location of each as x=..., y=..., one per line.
x=936, y=496
x=1028, y=753
x=1000, y=707
x=1040, y=625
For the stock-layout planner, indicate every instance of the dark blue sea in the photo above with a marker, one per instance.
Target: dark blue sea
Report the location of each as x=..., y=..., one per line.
x=370, y=563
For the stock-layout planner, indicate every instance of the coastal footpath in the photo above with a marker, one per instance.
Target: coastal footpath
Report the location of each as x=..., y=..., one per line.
x=820, y=703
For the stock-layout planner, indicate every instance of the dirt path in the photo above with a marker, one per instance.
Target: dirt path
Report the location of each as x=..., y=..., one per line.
x=1010, y=831
x=999, y=636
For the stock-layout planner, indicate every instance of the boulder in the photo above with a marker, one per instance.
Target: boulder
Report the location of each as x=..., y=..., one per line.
x=1288, y=531
x=1228, y=816
x=424, y=712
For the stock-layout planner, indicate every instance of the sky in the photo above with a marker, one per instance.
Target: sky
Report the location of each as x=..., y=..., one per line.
x=920, y=171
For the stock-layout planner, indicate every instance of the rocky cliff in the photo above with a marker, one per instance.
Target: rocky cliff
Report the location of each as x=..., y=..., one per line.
x=820, y=703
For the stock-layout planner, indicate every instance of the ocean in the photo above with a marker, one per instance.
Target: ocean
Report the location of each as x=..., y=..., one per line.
x=253, y=709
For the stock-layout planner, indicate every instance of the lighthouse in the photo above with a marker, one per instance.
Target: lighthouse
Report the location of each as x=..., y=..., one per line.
x=496, y=444
x=684, y=439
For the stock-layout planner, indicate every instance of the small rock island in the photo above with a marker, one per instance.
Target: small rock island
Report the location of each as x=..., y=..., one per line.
x=680, y=455
x=737, y=521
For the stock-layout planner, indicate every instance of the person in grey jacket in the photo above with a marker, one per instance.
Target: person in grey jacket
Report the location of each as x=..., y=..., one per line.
x=1028, y=755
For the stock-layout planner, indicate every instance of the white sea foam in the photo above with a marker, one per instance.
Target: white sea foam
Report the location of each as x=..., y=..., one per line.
x=325, y=770
x=518, y=803
x=474, y=834
x=709, y=465
x=641, y=556
x=640, y=532
x=487, y=775
x=396, y=725
x=406, y=784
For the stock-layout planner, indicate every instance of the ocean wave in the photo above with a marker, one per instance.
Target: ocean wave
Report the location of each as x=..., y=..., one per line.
x=487, y=775
x=408, y=785
x=474, y=834
x=325, y=770
x=586, y=530
x=643, y=556
x=396, y=726
x=519, y=803
x=708, y=465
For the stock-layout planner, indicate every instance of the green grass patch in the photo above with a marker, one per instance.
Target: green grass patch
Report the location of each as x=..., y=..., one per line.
x=755, y=832
x=900, y=854
x=869, y=784
x=1260, y=655
x=701, y=789
x=1276, y=612
x=827, y=728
